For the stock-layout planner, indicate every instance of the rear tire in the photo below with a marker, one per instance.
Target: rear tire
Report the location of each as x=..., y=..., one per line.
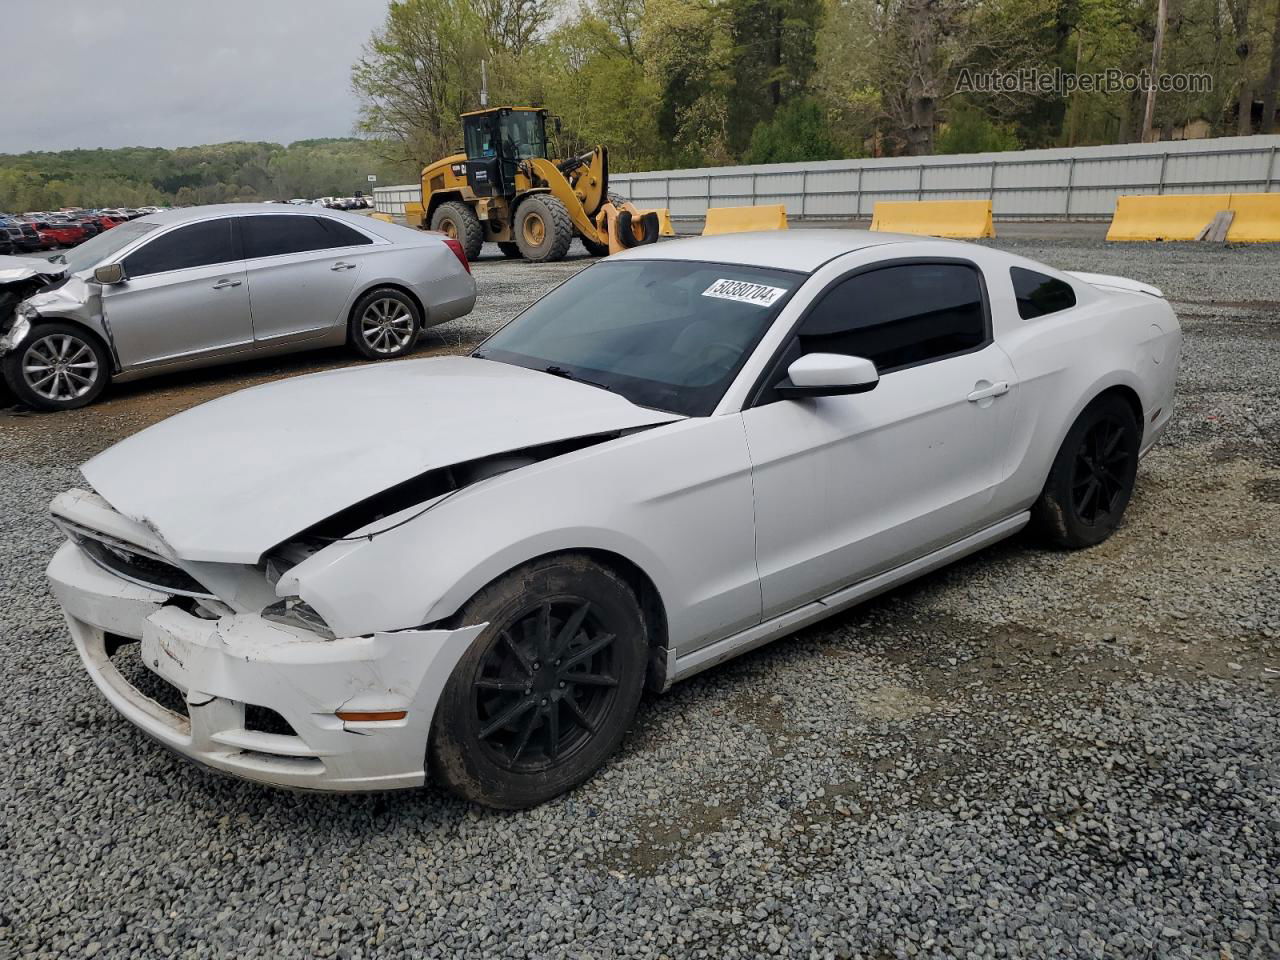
x=384, y=324
x=59, y=366
x=546, y=692
x=456, y=219
x=1092, y=477
x=543, y=229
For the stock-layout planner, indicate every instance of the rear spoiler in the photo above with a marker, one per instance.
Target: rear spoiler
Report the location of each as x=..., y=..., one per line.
x=1116, y=283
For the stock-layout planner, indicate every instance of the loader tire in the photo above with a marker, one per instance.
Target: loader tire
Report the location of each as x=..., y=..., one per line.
x=648, y=224
x=543, y=229
x=459, y=221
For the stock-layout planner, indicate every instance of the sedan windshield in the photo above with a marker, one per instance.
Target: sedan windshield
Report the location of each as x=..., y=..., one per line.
x=667, y=334
x=100, y=249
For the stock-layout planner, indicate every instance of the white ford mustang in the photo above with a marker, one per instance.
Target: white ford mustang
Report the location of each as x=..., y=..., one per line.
x=474, y=565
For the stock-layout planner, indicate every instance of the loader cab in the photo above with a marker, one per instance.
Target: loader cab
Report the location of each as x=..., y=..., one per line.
x=496, y=141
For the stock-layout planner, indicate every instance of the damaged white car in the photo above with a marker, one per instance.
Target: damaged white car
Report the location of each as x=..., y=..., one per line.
x=214, y=284
x=471, y=567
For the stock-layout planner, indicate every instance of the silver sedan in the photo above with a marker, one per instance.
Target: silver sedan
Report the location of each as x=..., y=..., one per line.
x=206, y=285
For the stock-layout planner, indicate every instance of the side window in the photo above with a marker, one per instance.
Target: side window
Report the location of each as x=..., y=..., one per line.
x=341, y=234
x=198, y=245
x=1038, y=294
x=274, y=235
x=900, y=316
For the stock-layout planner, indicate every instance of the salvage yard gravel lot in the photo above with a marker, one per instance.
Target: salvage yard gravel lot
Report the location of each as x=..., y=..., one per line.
x=1029, y=754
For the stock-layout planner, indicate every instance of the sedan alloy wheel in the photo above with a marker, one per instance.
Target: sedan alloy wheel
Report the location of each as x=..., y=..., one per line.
x=387, y=326
x=60, y=367
x=57, y=367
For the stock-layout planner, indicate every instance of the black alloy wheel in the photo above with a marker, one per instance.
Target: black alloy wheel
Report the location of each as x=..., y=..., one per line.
x=1092, y=477
x=546, y=687
x=1098, y=478
x=547, y=690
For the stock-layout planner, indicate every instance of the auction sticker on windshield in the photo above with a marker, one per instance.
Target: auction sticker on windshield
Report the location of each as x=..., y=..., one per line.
x=744, y=292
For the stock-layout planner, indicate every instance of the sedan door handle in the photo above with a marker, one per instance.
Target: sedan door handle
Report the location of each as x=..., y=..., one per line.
x=223, y=284
x=998, y=389
x=343, y=265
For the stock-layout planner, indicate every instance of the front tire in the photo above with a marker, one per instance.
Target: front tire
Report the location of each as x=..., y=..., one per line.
x=59, y=366
x=543, y=229
x=384, y=324
x=1092, y=477
x=545, y=694
x=459, y=221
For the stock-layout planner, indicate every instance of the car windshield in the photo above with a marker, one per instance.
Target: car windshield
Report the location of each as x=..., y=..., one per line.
x=667, y=334
x=101, y=248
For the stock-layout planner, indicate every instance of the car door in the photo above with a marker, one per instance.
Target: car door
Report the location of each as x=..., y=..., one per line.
x=301, y=270
x=184, y=296
x=850, y=486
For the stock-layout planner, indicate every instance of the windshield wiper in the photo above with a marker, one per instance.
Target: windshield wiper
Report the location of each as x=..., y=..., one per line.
x=558, y=371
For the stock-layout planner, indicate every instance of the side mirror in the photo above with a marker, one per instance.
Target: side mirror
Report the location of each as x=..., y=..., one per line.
x=829, y=375
x=555, y=125
x=109, y=274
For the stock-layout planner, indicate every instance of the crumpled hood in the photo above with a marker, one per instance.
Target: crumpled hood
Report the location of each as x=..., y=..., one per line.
x=230, y=479
x=16, y=269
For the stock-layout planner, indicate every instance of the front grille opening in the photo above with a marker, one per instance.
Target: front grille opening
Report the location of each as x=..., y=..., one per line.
x=126, y=656
x=266, y=720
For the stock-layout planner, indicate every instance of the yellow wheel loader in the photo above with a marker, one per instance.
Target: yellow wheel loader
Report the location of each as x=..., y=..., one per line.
x=503, y=189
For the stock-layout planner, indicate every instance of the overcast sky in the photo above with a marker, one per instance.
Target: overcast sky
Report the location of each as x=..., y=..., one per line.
x=168, y=73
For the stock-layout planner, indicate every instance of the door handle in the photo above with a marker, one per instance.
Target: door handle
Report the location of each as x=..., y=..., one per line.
x=998, y=389
x=224, y=284
x=343, y=265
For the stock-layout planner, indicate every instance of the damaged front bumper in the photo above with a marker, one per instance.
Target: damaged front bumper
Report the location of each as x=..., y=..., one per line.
x=221, y=669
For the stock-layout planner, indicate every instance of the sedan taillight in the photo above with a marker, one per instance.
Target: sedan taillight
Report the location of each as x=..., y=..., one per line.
x=456, y=246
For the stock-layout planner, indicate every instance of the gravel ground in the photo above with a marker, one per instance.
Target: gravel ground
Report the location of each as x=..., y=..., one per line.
x=1030, y=754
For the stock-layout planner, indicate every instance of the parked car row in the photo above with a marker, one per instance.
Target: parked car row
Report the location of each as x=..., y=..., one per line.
x=333, y=203
x=39, y=230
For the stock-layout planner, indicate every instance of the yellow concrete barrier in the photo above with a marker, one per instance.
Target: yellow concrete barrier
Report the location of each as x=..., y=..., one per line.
x=960, y=219
x=1168, y=217
x=745, y=219
x=384, y=217
x=1257, y=218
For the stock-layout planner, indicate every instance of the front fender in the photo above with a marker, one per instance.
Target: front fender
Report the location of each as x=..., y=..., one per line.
x=674, y=500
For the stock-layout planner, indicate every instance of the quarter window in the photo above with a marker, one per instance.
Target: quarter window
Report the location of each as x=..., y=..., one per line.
x=197, y=245
x=1038, y=294
x=273, y=236
x=900, y=316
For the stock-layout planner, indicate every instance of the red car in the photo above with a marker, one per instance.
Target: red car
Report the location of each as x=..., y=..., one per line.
x=58, y=234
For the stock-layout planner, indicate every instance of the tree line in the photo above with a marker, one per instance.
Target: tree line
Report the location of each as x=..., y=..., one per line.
x=216, y=173
x=681, y=83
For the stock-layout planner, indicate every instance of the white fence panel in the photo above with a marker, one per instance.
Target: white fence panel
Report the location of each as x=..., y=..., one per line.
x=1069, y=183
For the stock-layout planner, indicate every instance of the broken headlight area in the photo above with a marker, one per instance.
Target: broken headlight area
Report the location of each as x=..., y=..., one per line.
x=133, y=563
x=292, y=612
